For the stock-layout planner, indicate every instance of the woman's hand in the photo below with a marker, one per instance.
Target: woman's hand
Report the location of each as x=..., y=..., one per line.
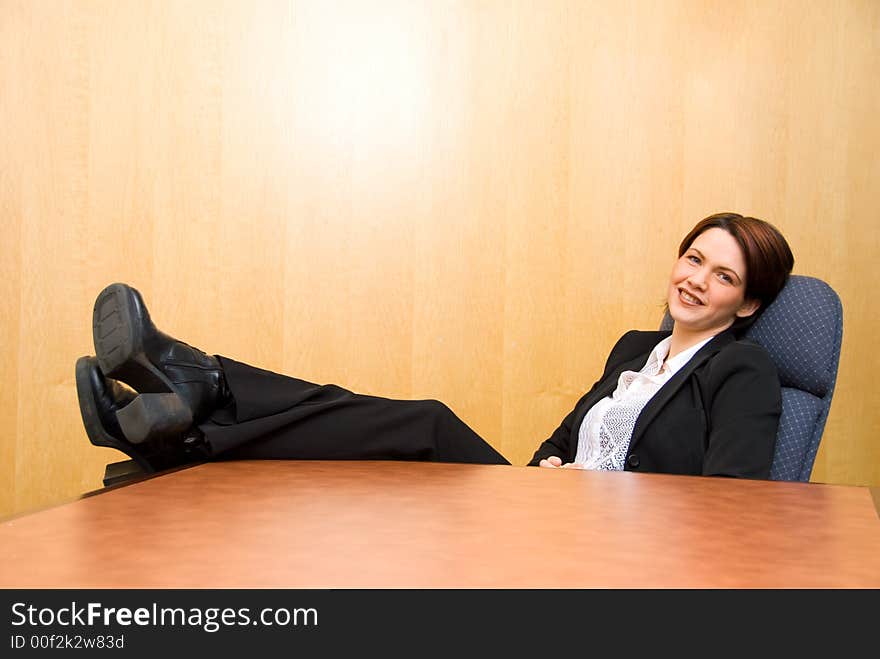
x=552, y=462
x=555, y=462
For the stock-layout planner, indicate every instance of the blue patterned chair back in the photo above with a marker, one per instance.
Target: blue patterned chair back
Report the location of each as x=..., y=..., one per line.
x=802, y=330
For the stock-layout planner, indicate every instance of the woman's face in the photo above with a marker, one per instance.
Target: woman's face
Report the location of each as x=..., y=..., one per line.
x=707, y=285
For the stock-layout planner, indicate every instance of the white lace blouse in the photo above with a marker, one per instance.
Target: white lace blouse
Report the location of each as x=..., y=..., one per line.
x=603, y=438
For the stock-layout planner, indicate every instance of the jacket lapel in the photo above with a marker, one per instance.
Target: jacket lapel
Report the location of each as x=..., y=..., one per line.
x=668, y=390
x=606, y=388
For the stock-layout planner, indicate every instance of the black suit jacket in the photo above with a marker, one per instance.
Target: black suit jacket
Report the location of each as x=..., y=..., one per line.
x=717, y=416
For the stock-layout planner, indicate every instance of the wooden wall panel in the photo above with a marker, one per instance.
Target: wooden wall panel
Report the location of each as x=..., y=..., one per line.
x=463, y=201
x=11, y=153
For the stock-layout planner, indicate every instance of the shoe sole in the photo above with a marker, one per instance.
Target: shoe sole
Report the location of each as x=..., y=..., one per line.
x=88, y=410
x=113, y=334
x=119, y=342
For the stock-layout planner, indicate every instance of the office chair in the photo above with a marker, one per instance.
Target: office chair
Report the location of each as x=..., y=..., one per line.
x=802, y=330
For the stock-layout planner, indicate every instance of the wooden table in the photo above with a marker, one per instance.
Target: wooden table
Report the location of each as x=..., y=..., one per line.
x=299, y=524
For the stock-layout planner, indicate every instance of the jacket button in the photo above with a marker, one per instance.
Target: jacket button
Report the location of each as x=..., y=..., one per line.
x=633, y=461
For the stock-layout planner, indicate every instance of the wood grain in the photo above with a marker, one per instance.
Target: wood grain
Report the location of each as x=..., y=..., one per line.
x=300, y=524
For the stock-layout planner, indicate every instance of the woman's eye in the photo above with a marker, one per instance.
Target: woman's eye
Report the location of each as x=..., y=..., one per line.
x=725, y=278
x=694, y=259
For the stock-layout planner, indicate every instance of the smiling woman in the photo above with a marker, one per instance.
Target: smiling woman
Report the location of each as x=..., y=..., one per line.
x=707, y=289
x=729, y=269
x=698, y=400
x=703, y=402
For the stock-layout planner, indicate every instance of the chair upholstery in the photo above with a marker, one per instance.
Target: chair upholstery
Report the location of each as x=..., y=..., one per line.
x=802, y=331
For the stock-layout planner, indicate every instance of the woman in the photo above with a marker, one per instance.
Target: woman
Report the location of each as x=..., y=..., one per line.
x=697, y=400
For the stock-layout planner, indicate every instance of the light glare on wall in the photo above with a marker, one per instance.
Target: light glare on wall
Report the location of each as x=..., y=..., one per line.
x=368, y=85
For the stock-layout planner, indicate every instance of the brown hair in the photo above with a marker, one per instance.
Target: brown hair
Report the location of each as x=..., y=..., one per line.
x=768, y=257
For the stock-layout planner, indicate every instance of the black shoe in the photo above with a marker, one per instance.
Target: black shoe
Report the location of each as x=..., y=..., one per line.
x=101, y=400
x=179, y=385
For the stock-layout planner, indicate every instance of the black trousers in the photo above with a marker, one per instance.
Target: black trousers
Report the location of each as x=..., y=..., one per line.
x=274, y=416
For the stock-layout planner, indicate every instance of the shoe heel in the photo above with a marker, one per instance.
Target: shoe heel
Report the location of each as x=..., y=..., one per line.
x=142, y=376
x=154, y=415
